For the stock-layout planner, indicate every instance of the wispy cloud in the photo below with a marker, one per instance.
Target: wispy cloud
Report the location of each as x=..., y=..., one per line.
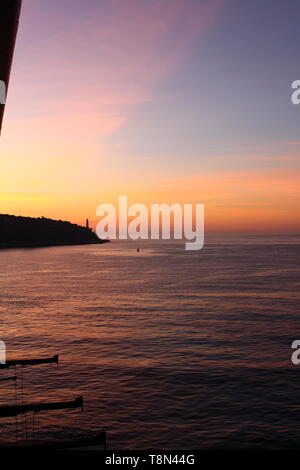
x=96, y=71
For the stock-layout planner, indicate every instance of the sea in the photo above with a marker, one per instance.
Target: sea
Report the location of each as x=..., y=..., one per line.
x=171, y=349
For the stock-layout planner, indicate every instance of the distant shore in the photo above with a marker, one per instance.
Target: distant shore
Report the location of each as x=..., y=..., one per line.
x=29, y=232
x=6, y=246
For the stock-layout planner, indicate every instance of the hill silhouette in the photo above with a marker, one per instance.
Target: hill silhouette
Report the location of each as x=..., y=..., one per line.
x=35, y=232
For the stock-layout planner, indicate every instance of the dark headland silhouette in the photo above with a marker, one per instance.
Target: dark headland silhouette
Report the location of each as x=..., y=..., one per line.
x=29, y=232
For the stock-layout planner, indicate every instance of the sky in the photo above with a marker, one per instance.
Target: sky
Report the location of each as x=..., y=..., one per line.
x=185, y=101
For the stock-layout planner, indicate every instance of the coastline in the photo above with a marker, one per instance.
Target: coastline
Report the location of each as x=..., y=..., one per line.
x=28, y=232
x=7, y=246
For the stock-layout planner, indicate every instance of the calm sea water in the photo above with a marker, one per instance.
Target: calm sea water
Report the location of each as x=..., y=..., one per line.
x=170, y=349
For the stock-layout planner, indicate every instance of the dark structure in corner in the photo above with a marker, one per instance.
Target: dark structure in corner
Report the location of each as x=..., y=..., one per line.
x=9, y=19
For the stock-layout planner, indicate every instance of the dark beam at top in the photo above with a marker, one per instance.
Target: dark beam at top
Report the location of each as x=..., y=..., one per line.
x=9, y=18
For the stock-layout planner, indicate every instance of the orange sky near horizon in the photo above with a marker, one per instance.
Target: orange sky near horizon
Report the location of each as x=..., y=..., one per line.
x=234, y=202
